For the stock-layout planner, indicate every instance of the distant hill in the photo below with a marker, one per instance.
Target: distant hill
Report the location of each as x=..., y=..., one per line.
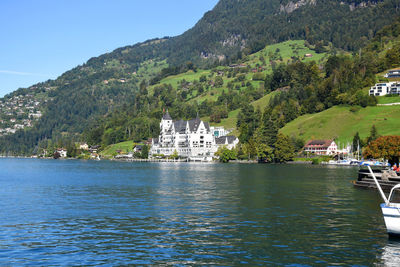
x=111, y=83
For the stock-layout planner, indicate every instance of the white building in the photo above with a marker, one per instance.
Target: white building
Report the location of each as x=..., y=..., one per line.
x=395, y=88
x=228, y=141
x=62, y=152
x=321, y=147
x=193, y=139
x=393, y=74
x=381, y=89
x=219, y=131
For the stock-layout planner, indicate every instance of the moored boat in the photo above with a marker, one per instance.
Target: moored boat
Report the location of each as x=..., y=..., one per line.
x=390, y=209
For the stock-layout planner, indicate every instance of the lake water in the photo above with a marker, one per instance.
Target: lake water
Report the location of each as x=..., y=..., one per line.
x=67, y=212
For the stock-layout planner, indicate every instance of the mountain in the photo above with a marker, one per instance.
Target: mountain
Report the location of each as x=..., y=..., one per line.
x=234, y=29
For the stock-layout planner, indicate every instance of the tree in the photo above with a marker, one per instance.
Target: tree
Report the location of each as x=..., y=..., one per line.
x=219, y=82
x=373, y=134
x=356, y=142
x=71, y=150
x=284, y=149
x=249, y=149
x=386, y=147
x=145, y=152
x=174, y=155
x=267, y=132
x=225, y=154
x=203, y=78
x=265, y=153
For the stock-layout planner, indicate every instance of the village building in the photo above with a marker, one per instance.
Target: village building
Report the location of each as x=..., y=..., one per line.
x=393, y=74
x=193, y=139
x=62, y=152
x=228, y=141
x=395, y=88
x=381, y=89
x=321, y=147
x=83, y=146
x=94, y=149
x=138, y=148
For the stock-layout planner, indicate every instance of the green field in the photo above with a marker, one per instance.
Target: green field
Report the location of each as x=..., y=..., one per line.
x=264, y=59
x=341, y=124
x=111, y=150
x=283, y=52
x=388, y=99
x=263, y=101
x=189, y=76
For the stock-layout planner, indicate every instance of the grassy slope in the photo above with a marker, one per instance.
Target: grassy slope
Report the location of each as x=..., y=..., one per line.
x=287, y=50
x=277, y=53
x=280, y=53
x=339, y=122
x=388, y=100
x=112, y=149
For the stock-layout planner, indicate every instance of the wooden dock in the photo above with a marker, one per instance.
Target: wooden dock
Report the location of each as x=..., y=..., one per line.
x=387, y=179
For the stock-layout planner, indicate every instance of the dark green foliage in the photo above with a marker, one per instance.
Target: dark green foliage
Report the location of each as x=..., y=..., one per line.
x=225, y=154
x=218, y=81
x=357, y=143
x=247, y=122
x=373, y=135
x=145, y=152
x=284, y=150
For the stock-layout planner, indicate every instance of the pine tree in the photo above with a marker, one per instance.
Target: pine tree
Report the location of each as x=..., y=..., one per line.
x=373, y=134
x=356, y=142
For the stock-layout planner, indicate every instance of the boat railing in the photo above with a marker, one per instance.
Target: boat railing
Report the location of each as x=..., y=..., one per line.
x=378, y=186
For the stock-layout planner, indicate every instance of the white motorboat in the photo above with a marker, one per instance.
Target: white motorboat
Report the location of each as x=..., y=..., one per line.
x=390, y=209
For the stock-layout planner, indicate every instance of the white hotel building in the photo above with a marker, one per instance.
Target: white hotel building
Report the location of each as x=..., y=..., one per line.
x=193, y=139
x=381, y=89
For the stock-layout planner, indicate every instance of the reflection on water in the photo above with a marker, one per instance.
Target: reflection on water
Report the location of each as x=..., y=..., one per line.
x=391, y=253
x=92, y=213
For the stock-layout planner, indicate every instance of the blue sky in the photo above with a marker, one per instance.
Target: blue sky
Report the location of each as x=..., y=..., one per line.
x=41, y=39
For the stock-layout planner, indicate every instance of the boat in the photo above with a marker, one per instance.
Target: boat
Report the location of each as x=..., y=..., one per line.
x=344, y=162
x=374, y=163
x=390, y=209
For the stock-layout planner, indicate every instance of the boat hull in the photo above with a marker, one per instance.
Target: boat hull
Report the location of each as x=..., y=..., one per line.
x=391, y=216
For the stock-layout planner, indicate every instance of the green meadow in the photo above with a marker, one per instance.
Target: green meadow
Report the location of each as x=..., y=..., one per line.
x=342, y=122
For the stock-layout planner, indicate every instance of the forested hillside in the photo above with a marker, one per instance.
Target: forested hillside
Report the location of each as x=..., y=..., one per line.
x=117, y=83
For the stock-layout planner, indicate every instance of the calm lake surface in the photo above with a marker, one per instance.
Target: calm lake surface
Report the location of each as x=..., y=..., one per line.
x=67, y=212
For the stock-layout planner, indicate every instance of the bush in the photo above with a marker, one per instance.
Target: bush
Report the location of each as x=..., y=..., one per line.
x=354, y=109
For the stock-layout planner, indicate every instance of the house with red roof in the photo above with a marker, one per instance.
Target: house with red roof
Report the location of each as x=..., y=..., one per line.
x=321, y=147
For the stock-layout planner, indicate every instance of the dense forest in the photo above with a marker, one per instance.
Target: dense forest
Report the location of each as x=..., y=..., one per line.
x=108, y=99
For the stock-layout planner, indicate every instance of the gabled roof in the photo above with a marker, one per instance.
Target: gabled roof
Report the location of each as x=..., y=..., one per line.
x=319, y=143
x=194, y=124
x=166, y=116
x=225, y=140
x=180, y=126
x=207, y=125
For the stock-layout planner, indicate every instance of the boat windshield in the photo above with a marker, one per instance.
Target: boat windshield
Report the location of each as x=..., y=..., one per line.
x=394, y=196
